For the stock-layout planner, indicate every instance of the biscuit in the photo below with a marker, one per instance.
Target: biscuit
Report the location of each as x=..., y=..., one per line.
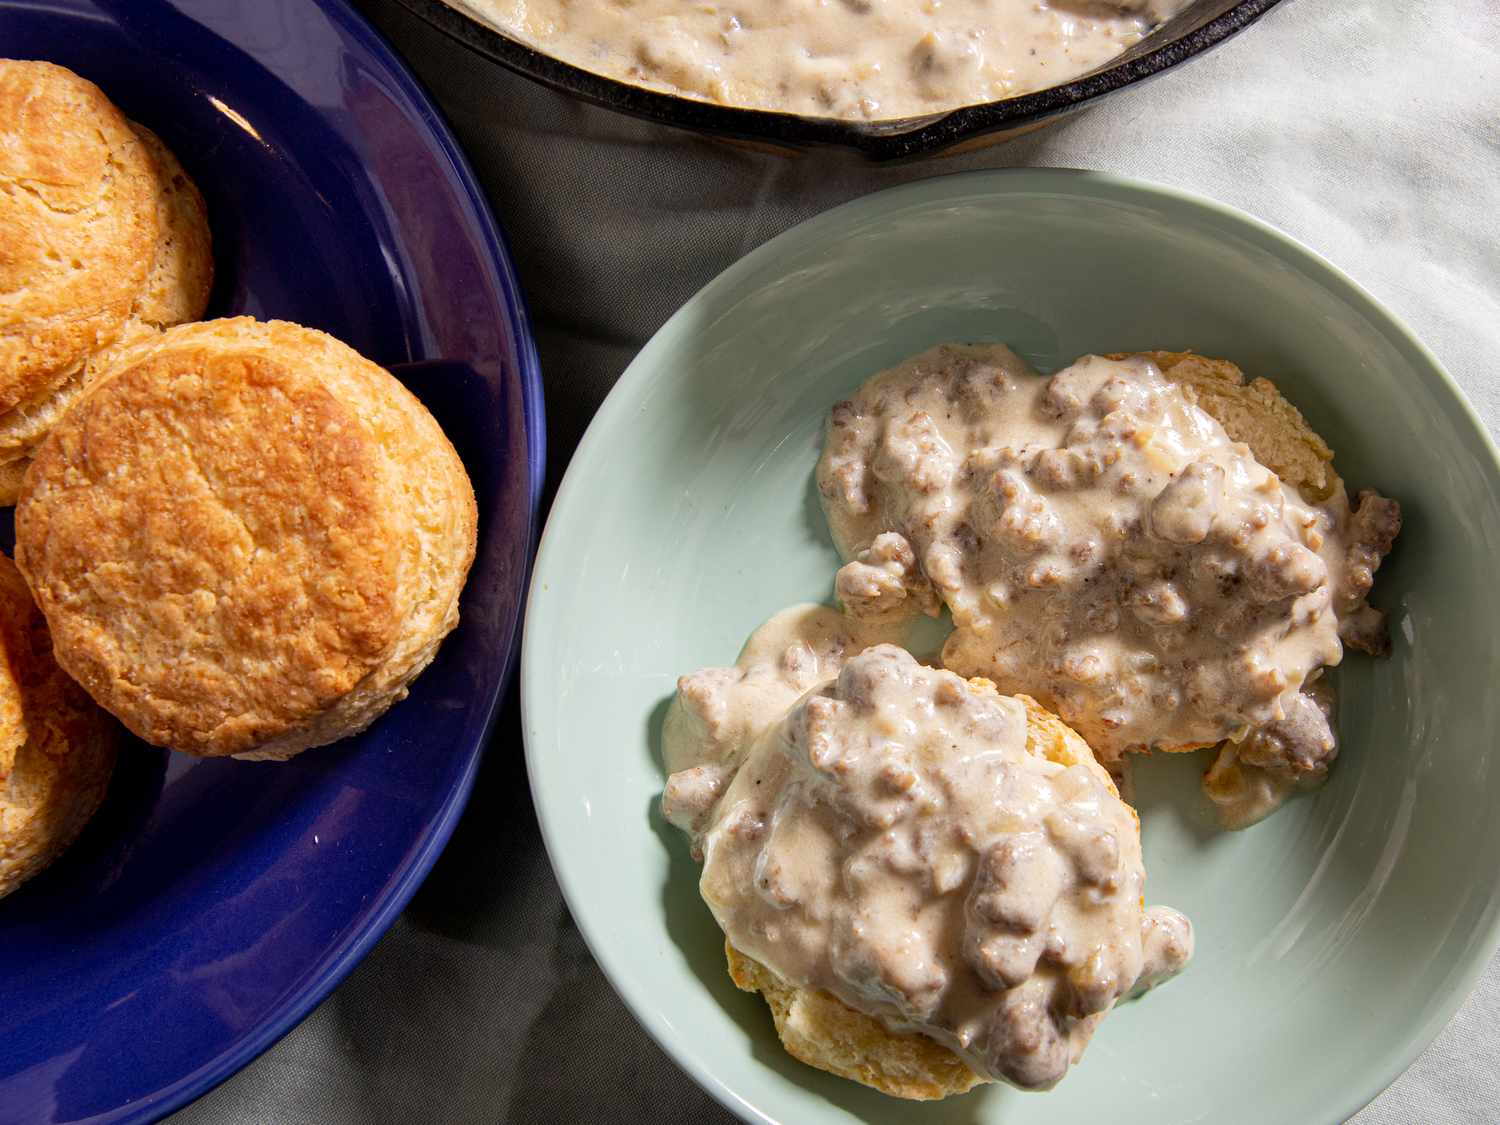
x=182, y=265
x=78, y=225
x=821, y=1030
x=57, y=749
x=176, y=290
x=247, y=539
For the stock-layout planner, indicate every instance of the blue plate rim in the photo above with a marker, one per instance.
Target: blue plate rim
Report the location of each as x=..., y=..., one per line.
x=1038, y=181
x=340, y=961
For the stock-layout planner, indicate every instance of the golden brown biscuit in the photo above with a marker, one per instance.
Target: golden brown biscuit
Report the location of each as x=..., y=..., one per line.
x=78, y=225
x=182, y=266
x=176, y=291
x=56, y=748
x=822, y=1031
x=247, y=538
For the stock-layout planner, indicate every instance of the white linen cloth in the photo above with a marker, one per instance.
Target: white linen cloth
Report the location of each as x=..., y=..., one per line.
x=1368, y=129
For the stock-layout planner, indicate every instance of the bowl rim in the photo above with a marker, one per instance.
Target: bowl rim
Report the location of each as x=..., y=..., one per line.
x=613, y=959
x=883, y=141
x=340, y=961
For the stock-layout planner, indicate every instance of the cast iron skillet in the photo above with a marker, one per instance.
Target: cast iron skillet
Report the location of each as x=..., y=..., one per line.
x=1205, y=24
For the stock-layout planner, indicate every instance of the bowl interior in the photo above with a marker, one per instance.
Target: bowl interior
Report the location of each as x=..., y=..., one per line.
x=1333, y=939
x=212, y=903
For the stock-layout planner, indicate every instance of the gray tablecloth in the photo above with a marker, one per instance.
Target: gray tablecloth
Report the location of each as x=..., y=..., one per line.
x=1370, y=129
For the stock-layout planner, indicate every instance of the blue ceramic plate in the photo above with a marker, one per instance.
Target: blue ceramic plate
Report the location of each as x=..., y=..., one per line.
x=212, y=904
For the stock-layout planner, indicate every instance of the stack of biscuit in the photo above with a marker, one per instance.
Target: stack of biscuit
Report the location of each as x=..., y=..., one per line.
x=105, y=240
x=241, y=537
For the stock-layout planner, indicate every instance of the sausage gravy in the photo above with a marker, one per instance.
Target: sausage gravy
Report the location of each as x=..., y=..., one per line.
x=1105, y=546
x=848, y=59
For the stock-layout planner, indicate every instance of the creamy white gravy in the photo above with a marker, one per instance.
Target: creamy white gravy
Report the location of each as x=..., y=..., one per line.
x=850, y=59
x=877, y=829
x=718, y=712
x=1104, y=546
x=1249, y=780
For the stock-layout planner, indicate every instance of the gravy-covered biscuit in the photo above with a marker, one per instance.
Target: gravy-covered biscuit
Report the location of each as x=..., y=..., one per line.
x=1153, y=547
x=175, y=290
x=819, y=1029
x=931, y=885
x=56, y=748
x=247, y=538
x=79, y=225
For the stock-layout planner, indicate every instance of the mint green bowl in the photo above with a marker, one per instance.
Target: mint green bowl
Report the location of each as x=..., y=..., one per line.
x=1334, y=939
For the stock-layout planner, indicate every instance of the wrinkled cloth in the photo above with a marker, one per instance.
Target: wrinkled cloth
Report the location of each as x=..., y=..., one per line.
x=1368, y=129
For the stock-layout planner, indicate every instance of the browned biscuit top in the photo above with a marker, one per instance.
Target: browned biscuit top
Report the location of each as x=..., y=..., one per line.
x=211, y=535
x=78, y=226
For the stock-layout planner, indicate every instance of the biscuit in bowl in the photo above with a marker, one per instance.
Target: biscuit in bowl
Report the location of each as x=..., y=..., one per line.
x=175, y=291
x=247, y=539
x=1158, y=550
x=932, y=885
x=817, y=1028
x=57, y=749
x=79, y=225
